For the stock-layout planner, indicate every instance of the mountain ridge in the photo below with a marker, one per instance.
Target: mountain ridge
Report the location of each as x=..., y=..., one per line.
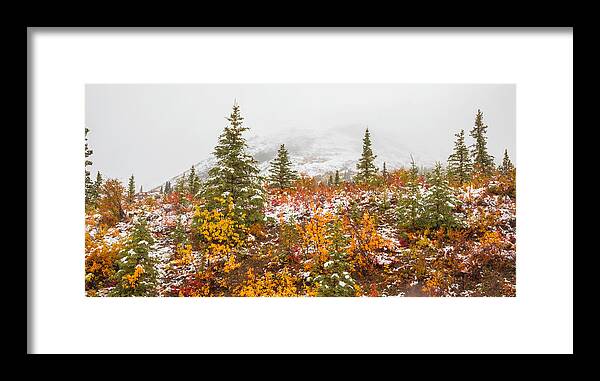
x=316, y=153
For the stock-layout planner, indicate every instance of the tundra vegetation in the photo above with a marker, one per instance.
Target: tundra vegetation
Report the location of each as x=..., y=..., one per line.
x=448, y=230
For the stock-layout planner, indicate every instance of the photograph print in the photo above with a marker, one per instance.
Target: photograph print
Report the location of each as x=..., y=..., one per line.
x=300, y=190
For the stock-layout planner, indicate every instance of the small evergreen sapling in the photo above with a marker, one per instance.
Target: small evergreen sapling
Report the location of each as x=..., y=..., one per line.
x=483, y=162
x=365, y=166
x=131, y=189
x=137, y=273
x=98, y=182
x=95, y=191
x=335, y=277
x=193, y=182
x=179, y=234
x=507, y=165
x=410, y=204
x=281, y=173
x=459, y=162
x=180, y=186
x=440, y=201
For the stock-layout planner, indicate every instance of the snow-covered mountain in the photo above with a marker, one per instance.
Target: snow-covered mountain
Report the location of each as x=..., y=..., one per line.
x=320, y=153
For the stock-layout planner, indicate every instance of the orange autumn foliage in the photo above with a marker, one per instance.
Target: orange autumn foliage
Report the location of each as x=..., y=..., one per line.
x=314, y=238
x=110, y=203
x=365, y=242
x=100, y=259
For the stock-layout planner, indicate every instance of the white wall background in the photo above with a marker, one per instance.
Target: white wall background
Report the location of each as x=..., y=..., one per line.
x=539, y=319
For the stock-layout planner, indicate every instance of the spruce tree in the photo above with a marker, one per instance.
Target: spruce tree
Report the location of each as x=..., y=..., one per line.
x=96, y=189
x=180, y=187
x=98, y=182
x=330, y=181
x=137, y=273
x=193, y=182
x=179, y=234
x=365, y=166
x=141, y=189
x=483, y=162
x=440, y=201
x=131, y=189
x=236, y=173
x=281, y=173
x=334, y=279
x=336, y=180
x=459, y=162
x=507, y=165
x=384, y=173
x=162, y=190
x=89, y=185
x=410, y=205
x=166, y=190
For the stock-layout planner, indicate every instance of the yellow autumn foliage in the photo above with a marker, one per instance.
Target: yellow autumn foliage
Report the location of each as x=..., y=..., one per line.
x=437, y=284
x=314, y=237
x=183, y=255
x=231, y=264
x=365, y=242
x=132, y=279
x=270, y=284
x=491, y=238
x=100, y=258
x=221, y=235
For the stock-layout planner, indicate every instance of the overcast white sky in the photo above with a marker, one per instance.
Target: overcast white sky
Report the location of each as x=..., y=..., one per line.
x=158, y=131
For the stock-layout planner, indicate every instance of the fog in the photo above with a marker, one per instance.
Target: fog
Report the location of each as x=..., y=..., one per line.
x=158, y=131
